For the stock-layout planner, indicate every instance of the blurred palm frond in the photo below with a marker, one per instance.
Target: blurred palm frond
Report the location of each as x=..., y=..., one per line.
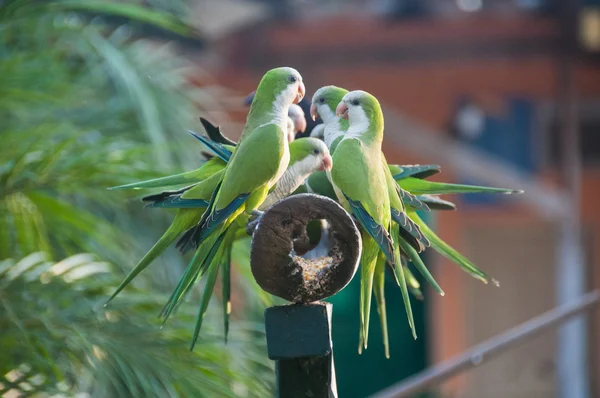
x=57, y=336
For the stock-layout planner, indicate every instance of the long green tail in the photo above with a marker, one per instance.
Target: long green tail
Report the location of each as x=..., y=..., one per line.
x=447, y=251
x=212, y=272
x=417, y=186
x=401, y=278
x=189, y=177
x=226, y=280
x=379, y=289
x=414, y=287
x=196, y=269
x=185, y=218
x=368, y=265
x=418, y=263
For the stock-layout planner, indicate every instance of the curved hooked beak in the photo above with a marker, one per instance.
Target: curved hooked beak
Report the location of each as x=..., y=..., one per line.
x=327, y=163
x=342, y=110
x=314, y=113
x=248, y=100
x=301, y=91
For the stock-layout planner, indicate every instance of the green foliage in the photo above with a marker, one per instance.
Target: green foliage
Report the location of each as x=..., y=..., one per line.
x=84, y=106
x=57, y=336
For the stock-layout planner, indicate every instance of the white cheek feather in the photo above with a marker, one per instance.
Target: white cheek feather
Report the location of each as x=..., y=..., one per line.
x=359, y=123
x=332, y=125
x=281, y=106
x=327, y=115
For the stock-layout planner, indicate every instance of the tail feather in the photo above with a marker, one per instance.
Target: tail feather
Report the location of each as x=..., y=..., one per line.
x=215, y=134
x=196, y=269
x=190, y=237
x=368, y=263
x=222, y=253
x=417, y=187
x=403, y=287
x=415, y=171
x=176, y=179
x=411, y=200
x=226, y=279
x=379, y=289
x=208, y=169
x=435, y=203
x=418, y=263
x=410, y=231
x=173, y=200
x=414, y=287
x=165, y=195
x=219, y=149
x=213, y=272
x=182, y=221
x=447, y=251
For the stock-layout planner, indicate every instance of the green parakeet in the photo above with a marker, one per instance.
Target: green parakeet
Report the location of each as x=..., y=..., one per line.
x=323, y=105
x=246, y=182
x=362, y=186
x=241, y=186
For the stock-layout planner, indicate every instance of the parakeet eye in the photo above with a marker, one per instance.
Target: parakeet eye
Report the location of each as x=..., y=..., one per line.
x=354, y=102
x=293, y=79
x=321, y=100
x=316, y=151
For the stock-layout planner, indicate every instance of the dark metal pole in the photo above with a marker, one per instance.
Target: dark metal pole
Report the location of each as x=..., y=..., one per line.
x=485, y=351
x=299, y=340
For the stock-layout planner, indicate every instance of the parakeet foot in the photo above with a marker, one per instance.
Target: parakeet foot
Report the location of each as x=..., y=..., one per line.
x=254, y=221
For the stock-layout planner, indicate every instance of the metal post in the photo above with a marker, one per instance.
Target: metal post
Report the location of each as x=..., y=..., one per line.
x=572, y=346
x=299, y=340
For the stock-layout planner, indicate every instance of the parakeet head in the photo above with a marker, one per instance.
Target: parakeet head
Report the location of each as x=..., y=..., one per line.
x=361, y=109
x=284, y=84
x=308, y=155
x=324, y=102
x=296, y=113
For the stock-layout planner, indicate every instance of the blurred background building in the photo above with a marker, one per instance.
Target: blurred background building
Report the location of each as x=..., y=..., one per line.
x=491, y=90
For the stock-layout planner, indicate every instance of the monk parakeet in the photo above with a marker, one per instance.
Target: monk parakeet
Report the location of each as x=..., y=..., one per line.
x=363, y=187
x=243, y=185
x=323, y=105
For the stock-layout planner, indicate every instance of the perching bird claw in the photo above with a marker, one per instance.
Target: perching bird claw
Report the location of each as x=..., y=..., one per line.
x=254, y=221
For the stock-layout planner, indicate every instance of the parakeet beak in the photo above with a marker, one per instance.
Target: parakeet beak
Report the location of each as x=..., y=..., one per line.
x=327, y=163
x=342, y=110
x=314, y=113
x=291, y=136
x=300, y=124
x=248, y=100
x=301, y=92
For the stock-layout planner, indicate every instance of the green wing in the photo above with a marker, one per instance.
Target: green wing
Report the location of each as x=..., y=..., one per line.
x=255, y=163
x=358, y=174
